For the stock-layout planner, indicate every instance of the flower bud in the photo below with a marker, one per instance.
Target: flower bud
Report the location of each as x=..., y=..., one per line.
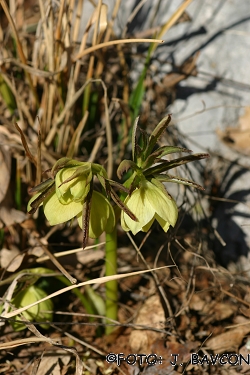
x=41, y=312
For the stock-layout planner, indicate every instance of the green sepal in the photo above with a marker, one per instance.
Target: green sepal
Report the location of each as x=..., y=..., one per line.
x=38, y=313
x=59, y=164
x=76, y=186
x=122, y=206
x=57, y=213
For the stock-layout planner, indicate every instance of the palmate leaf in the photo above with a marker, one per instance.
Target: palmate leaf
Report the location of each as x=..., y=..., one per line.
x=165, y=165
x=178, y=180
x=85, y=219
x=144, y=139
x=118, y=186
x=167, y=150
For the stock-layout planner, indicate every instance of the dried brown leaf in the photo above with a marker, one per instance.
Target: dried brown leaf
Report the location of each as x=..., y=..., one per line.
x=228, y=341
x=238, y=137
x=152, y=315
x=8, y=214
x=11, y=259
x=51, y=364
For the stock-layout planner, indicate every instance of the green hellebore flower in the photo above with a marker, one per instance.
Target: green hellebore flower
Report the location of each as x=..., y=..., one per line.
x=36, y=313
x=102, y=216
x=149, y=202
x=73, y=182
x=72, y=186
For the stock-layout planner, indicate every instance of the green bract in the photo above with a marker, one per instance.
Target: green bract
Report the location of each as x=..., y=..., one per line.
x=41, y=312
x=149, y=202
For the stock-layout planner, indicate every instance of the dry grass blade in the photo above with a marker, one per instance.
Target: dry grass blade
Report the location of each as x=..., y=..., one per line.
x=58, y=265
x=19, y=46
x=25, y=145
x=172, y=20
x=15, y=343
x=74, y=144
x=69, y=252
x=79, y=362
x=89, y=50
x=99, y=280
x=71, y=100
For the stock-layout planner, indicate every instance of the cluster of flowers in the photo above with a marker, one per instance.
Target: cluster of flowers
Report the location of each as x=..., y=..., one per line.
x=69, y=192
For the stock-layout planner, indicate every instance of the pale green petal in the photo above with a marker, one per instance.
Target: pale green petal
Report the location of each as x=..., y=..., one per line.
x=102, y=217
x=162, y=204
x=139, y=205
x=164, y=224
x=57, y=213
x=111, y=220
x=148, y=225
x=123, y=223
x=75, y=189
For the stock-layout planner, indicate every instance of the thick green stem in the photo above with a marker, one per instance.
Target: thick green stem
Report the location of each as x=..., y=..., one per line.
x=111, y=286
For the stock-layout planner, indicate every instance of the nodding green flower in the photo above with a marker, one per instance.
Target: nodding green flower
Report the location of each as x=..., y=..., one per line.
x=147, y=198
x=150, y=201
x=41, y=312
x=70, y=194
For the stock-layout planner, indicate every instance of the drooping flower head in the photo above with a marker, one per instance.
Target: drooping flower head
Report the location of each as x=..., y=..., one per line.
x=69, y=193
x=150, y=201
x=148, y=198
